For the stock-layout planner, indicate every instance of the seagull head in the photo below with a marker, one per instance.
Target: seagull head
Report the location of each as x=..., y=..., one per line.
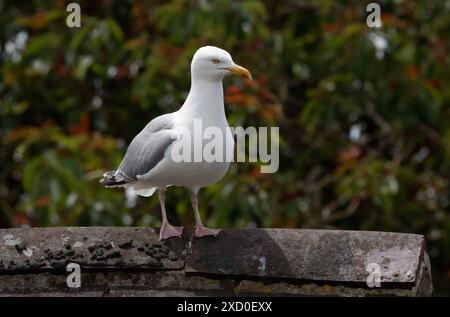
x=213, y=63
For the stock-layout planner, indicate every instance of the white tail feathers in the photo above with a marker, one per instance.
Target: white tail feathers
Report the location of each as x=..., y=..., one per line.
x=146, y=192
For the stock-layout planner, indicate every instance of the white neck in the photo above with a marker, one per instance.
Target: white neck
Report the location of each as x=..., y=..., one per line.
x=205, y=98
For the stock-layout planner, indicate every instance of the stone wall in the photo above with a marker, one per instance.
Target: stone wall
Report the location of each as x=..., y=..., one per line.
x=124, y=261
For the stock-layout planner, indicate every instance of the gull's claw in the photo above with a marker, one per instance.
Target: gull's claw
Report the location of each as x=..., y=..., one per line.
x=167, y=231
x=205, y=231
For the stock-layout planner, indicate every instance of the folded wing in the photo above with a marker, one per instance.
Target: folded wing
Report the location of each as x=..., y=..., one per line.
x=145, y=151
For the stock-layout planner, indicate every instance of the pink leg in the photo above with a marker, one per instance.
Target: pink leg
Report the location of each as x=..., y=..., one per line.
x=167, y=230
x=200, y=229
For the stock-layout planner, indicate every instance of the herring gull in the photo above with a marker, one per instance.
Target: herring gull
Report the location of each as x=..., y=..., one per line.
x=149, y=165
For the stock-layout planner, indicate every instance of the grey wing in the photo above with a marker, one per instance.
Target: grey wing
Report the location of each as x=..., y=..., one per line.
x=145, y=151
x=147, y=148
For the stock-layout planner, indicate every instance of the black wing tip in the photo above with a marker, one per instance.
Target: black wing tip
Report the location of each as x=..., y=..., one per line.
x=111, y=182
x=109, y=179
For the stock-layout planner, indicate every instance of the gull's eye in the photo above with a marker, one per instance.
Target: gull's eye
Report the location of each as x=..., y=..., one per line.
x=215, y=61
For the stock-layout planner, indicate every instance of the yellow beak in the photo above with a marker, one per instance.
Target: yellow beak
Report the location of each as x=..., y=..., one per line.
x=240, y=71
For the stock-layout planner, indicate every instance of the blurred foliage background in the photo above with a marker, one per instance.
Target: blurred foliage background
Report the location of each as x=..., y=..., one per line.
x=363, y=113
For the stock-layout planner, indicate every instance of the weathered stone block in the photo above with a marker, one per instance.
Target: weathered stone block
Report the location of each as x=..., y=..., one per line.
x=244, y=262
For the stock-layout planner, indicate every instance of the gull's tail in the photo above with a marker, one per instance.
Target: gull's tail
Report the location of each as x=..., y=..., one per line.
x=116, y=178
